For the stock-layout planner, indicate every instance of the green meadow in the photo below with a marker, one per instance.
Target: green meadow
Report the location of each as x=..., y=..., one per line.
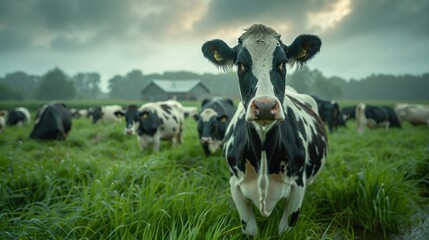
x=98, y=184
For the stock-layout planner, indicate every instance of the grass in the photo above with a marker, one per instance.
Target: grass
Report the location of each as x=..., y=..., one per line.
x=99, y=185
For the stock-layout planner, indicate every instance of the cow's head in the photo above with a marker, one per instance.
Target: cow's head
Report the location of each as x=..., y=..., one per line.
x=211, y=126
x=261, y=59
x=97, y=114
x=131, y=115
x=147, y=123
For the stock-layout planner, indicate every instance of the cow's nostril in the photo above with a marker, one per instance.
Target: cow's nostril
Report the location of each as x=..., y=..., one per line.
x=265, y=109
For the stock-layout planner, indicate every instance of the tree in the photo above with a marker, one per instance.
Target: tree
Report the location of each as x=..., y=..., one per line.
x=21, y=82
x=55, y=85
x=87, y=85
x=7, y=93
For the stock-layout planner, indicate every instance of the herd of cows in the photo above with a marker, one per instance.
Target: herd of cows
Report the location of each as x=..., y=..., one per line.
x=274, y=139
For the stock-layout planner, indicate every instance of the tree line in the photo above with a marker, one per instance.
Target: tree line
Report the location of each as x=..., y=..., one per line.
x=57, y=85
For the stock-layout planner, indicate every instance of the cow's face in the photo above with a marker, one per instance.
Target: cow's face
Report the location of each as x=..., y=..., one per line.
x=97, y=114
x=261, y=59
x=131, y=116
x=148, y=123
x=211, y=126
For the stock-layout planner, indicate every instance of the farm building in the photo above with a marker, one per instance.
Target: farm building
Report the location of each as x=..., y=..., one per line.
x=161, y=89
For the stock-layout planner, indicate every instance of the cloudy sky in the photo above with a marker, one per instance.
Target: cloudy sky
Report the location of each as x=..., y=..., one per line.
x=359, y=37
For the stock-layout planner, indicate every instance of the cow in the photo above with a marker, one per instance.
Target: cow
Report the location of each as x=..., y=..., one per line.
x=276, y=143
x=78, y=113
x=416, y=114
x=215, y=115
x=106, y=114
x=160, y=121
x=53, y=122
x=348, y=113
x=329, y=111
x=18, y=116
x=375, y=116
x=3, y=114
x=131, y=115
x=190, y=112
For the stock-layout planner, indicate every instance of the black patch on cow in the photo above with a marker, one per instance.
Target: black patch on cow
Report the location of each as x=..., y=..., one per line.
x=148, y=123
x=175, y=119
x=165, y=116
x=166, y=108
x=294, y=217
x=174, y=129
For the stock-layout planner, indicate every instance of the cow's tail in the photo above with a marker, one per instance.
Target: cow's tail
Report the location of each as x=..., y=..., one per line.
x=360, y=117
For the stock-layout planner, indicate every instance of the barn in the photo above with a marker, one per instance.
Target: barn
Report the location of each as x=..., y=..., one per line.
x=162, y=89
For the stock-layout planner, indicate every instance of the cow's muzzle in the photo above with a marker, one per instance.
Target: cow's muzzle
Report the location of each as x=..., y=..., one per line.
x=265, y=110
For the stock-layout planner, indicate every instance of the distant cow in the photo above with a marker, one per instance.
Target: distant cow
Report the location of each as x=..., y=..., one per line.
x=276, y=142
x=18, y=116
x=348, y=113
x=329, y=111
x=375, y=116
x=215, y=115
x=78, y=113
x=160, y=121
x=53, y=122
x=190, y=112
x=3, y=114
x=131, y=115
x=416, y=114
x=106, y=114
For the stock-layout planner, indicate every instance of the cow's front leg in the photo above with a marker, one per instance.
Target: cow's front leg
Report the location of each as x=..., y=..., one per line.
x=142, y=142
x=244, y=209
x=292, y=208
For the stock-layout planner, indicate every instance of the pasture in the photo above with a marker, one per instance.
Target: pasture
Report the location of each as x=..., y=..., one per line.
x=98, y=185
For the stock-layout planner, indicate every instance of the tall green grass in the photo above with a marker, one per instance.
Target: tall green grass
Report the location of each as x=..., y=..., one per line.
x=99, y=185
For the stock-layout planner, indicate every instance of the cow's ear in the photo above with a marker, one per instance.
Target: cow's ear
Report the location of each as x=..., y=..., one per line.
x=223, y=118
x=119, y=113
x=3, y=113
x=219, y=53
x=204, y=102
x=303, y=48
x=144, y=114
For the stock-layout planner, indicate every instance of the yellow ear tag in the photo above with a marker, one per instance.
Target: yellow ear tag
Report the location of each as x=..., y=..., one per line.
x=217, y=56
x=302, y=54
x=223, y=120
x=145, y=115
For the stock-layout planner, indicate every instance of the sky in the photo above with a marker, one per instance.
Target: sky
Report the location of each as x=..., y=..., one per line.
x=111, y=37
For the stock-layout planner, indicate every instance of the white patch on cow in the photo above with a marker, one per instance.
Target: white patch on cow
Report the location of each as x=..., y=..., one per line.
x=3, y=114
x=108, y=113
x=415, y=114
x=40, y=113
x=207, y=114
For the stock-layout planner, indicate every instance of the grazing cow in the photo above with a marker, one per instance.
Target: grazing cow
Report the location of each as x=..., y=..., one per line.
x=3, y=114
x=329, y=111
x=375, y=116
x=18, y=116
x=276, y=143
x=416, y=114
x=215, y=115
x=160, y=121
x=190, y=112
x=53, y=122
x=131, y=115
x=348, y=113
x=106, y=114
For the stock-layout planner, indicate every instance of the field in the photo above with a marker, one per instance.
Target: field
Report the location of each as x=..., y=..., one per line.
x=99, y=185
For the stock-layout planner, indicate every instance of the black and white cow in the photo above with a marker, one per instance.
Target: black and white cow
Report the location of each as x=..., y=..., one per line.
x=329, y=111
x=131, y=115
x=160, y=121
x=348, y=113
x=375, y=116
x=106, y=114
x=53, y=122
x=18, y=116
x=276, y=143
x=215, y=115
x=3, y=114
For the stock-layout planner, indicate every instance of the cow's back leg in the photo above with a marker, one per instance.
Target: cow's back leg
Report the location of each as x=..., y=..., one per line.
x=292, y=208
x=244, y=208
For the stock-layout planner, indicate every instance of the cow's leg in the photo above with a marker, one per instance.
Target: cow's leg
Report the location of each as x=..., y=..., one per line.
x=156, y=143
x=142, y=142
x=292, y=208
x=244, y=209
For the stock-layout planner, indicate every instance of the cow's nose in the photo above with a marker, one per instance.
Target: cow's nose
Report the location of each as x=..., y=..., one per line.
x=266, y=108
